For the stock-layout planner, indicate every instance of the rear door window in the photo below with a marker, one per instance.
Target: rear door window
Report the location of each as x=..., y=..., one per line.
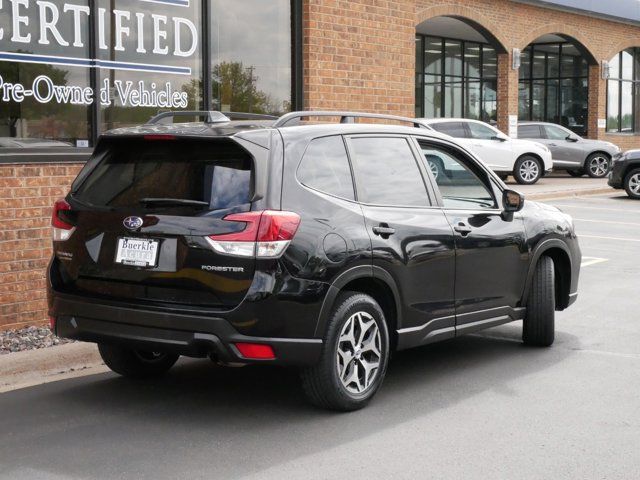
x=453, y=129
x=529, y=131
x=211, y=174
x=387, y=173
x=325, y=167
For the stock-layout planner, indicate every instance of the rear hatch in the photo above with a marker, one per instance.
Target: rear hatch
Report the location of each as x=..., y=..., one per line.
x=143, y=208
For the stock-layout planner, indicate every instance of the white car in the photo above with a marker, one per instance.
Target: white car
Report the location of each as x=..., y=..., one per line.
x=527, y=161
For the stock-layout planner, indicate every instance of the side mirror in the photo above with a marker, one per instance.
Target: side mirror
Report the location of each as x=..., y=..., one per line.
x=512, y=201
x=500, y=137
x=572, y=138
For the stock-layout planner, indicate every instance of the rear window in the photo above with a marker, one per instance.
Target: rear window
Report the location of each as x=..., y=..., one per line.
x=127, y=173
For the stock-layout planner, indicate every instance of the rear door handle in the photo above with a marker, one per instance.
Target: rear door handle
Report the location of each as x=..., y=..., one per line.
x=462, y=228
x=384, y=230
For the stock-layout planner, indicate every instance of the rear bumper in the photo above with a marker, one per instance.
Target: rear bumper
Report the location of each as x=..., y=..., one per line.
x=195, y=336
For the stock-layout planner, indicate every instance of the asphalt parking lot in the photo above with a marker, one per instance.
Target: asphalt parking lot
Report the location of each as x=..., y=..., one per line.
x=481, y=406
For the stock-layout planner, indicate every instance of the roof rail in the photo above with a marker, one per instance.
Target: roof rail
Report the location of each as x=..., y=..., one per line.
x=345, y=117
x=210, y=116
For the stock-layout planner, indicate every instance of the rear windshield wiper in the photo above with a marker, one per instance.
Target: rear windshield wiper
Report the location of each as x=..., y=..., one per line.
x=173, y=202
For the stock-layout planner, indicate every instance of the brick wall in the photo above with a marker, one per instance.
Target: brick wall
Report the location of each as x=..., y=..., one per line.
x=359, y=55
x=26, y=196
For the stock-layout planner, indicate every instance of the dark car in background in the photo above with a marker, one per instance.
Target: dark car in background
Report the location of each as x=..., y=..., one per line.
x=324, y=247
x=625, y=173
x=571, y=152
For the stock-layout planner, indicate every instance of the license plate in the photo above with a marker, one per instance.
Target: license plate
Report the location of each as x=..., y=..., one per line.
x=138, y=252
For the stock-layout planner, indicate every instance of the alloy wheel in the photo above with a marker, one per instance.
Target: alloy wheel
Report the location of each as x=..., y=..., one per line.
x=359, y=353
x=634, y=184
x=434, y=169
x=529, y=170
x=599, y=166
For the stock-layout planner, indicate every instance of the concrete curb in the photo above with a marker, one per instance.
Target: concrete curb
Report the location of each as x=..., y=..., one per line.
x=34, y=367
x=569, y=193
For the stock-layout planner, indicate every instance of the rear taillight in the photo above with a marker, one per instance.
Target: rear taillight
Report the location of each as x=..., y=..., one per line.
x=267, y=234
x=61, y=229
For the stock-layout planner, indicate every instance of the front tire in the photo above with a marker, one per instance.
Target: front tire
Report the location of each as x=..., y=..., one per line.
x=354, y=358
x=598, y=165
x=539, y=323
x=632, y=183
x=528, y=170
x=136, y=363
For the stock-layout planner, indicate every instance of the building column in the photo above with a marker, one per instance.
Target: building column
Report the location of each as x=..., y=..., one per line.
x=597, y=102
x=507, y=91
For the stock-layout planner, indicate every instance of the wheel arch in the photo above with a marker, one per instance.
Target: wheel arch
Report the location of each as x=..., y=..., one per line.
x=373, y=281
x=530, y=154
x=562, y=265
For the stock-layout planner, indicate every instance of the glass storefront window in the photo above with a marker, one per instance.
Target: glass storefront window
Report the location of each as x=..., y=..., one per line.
x=459, y=79
x=251, y=56
x=166, y=38
x=70, y=71
x=623, y=103
x=42, y=96
x=553, y=85
x=452, y=58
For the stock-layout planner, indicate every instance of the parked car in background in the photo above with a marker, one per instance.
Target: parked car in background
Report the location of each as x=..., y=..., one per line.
x=625, y=173
x=570, y=151
x=324, y=247
x=527, y=161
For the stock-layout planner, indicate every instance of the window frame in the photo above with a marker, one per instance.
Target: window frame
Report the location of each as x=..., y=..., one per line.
x=443, y=79
x=527, y=81
x=430, y=194
x=620, y=81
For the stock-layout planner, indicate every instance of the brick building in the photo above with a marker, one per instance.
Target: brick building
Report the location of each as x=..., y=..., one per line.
x=72, y=69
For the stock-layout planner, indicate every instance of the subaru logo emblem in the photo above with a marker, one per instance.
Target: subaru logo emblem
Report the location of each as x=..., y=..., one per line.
x=132, y=223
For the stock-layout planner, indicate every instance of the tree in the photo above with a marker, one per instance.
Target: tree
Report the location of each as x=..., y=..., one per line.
x=234, y=89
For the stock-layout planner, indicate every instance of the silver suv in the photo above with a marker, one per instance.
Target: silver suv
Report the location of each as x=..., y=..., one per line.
x=571, y=152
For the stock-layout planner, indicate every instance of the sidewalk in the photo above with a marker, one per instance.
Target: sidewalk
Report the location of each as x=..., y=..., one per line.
x=35, y=367
x=559, y=185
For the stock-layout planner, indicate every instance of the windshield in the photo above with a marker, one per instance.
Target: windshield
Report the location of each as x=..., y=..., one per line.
x=195, y=173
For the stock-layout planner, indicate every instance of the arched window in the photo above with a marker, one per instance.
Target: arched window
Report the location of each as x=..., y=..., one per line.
x=622, y=88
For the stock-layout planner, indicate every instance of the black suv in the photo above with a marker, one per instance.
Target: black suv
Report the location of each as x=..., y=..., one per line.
x=323, y=246
x=625, y=173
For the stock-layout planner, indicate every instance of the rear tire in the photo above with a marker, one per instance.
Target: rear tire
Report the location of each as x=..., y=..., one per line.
x=598, y=165
x=576, y=173
x=354, y=358
x=136, y=363
x=528, y=170
x=539, y=323
x=632, y=183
